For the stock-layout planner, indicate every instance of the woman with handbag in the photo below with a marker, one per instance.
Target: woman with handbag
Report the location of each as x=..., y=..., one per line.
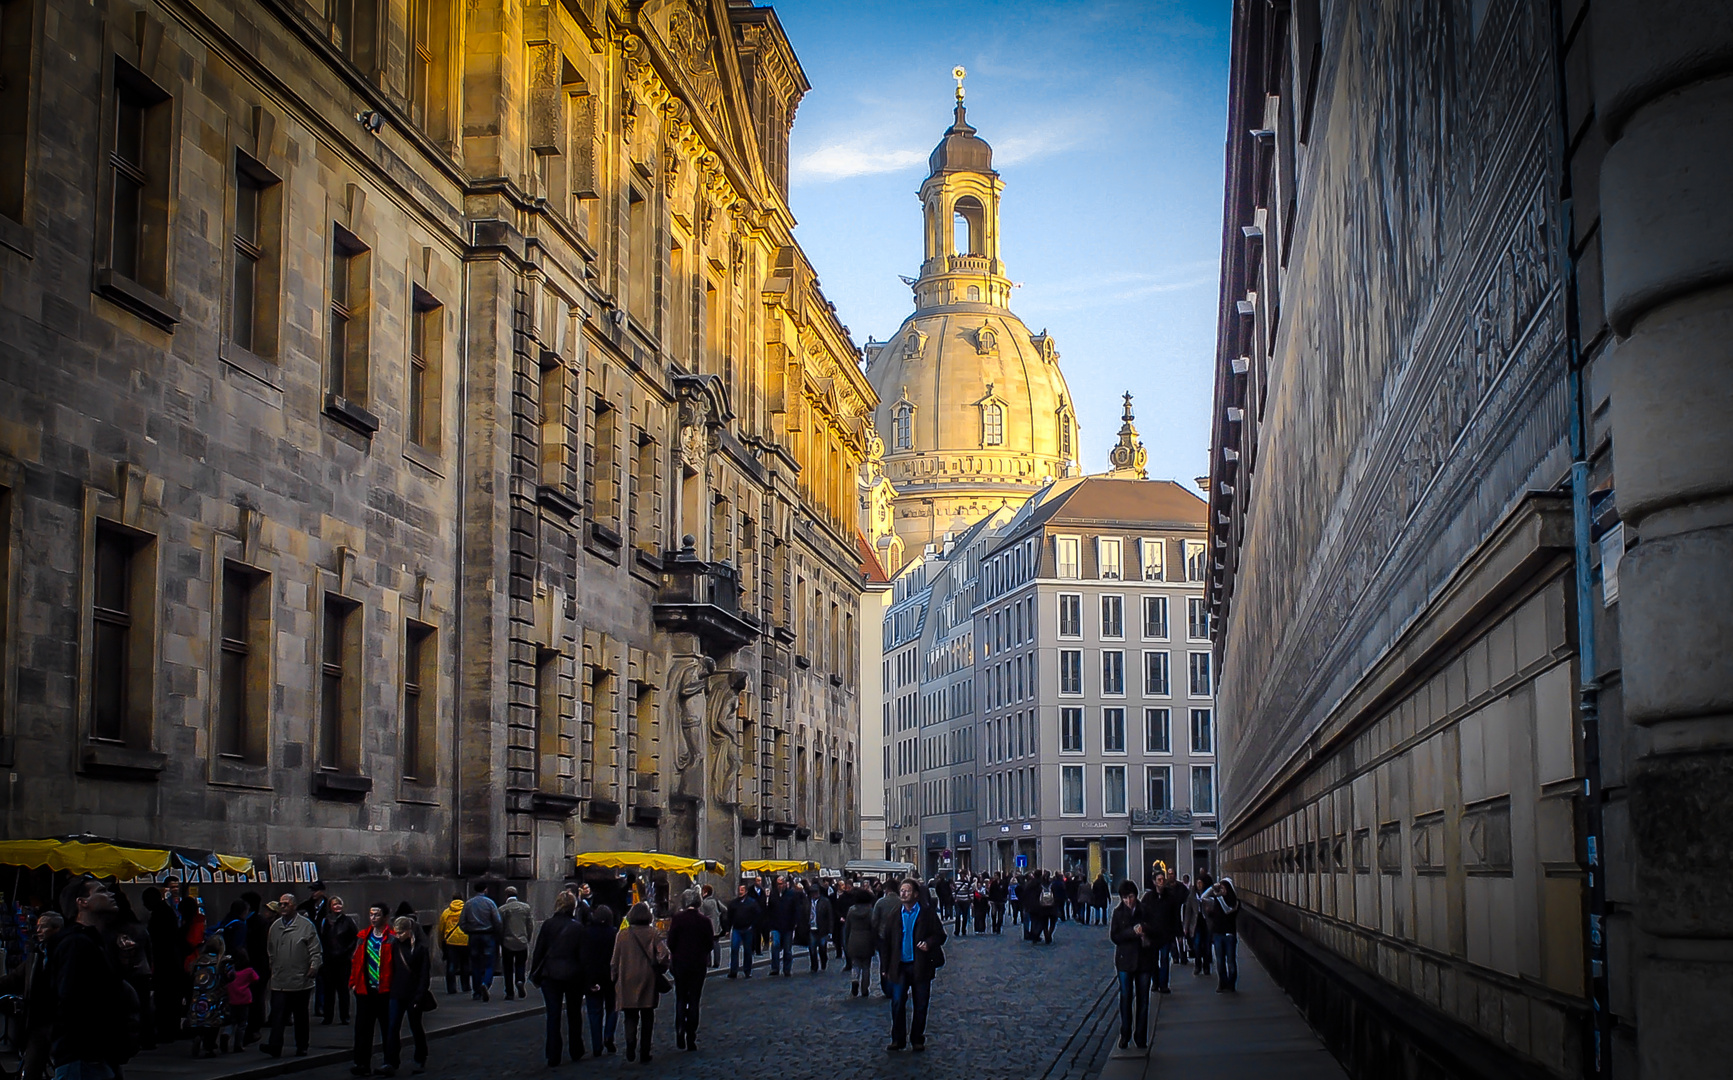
x=411, y=996
x=640, y=971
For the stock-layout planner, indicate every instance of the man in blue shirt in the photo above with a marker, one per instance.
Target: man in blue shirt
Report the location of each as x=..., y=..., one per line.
x=910, y=951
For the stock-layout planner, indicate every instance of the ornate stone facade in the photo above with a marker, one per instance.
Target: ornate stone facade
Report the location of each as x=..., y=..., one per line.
x=427, y=452
x=1460, y=761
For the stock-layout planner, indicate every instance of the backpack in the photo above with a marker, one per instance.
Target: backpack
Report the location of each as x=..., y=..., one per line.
x=1046, y=897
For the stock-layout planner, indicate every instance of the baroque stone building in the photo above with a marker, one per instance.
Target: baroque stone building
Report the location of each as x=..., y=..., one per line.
x=423, y=447
x=973, y=405
x=1472, y=559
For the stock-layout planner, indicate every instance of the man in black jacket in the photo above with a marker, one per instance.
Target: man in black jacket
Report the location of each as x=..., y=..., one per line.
x=95, y=1013
x=1164, y=906
x=910, y=951
x=1133, y=959
x=743, y=915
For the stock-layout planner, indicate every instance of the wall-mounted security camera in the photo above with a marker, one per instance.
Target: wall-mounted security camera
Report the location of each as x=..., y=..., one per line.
x=372, y=120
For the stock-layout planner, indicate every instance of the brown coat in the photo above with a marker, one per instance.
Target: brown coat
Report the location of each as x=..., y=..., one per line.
x=636, y=952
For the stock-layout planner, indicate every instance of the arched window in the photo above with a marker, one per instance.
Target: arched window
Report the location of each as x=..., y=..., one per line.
x=975, y=292
x=1065, y=436
x=992, y=425
x=902, y=427
x=967, y=220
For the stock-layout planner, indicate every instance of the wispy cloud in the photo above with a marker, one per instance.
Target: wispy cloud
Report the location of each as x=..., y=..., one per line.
x=861, y=156
x=1077, y=294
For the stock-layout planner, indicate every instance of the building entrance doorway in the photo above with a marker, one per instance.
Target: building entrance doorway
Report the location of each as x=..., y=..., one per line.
x=1157, y=850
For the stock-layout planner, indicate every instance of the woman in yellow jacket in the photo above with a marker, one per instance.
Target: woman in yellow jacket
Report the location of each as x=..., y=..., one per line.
x=454, y=945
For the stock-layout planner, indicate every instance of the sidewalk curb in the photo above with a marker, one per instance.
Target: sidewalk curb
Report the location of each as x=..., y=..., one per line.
x=282, y=1067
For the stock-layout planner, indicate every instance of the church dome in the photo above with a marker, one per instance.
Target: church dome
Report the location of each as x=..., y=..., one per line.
x=973, y=409
x=960, y=149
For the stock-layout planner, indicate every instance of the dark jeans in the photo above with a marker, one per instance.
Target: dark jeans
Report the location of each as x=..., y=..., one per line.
x=554, y=995
x=1163, y=964
x=688, y=990
x=394, y=1034
x=781, y=951
x=1134, y=1001
x=482, y=951
x=456, y=967
x=600, y=1007
x=1200, y=950
x=905, y=987
x=334, y=989
x=742, y=940
x=371, y=1009
x=284, y=1005
x=511, y=968
x=639, y=1024
x=999, y=916
x=818, y=952
x=1227, y=961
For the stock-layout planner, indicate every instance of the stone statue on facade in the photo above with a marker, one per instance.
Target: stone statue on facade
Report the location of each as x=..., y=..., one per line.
x=725, y=695
x=690, y=683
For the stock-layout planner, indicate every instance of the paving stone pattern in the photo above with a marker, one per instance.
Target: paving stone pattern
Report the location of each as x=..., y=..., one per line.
x=1001, y=1009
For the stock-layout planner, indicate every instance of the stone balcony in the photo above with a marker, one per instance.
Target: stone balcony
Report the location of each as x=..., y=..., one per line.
x=959, y=264
x=703, y=598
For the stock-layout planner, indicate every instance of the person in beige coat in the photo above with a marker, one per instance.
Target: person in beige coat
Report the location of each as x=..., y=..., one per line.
x=640, y=957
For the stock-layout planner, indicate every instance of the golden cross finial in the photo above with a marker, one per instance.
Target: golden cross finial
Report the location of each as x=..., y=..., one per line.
x=957, y=73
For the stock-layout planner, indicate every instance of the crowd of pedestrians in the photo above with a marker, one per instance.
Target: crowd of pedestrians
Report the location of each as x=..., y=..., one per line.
x=101, y=983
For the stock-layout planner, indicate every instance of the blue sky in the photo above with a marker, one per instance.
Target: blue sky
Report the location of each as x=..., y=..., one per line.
x=1107, y=125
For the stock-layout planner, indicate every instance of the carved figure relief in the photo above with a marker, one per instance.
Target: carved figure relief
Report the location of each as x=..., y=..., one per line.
x=690, y=681
x=690, y=41
x=726, y=700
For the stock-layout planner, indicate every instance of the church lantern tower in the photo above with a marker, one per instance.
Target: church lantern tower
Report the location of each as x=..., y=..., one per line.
x=973, y=405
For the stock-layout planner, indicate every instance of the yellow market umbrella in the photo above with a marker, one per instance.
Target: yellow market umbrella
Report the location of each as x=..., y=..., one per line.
x=79, y=857
x=651, y=860
x=778, y=866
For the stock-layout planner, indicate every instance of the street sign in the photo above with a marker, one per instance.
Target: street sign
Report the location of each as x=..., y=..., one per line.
x=1022, y=862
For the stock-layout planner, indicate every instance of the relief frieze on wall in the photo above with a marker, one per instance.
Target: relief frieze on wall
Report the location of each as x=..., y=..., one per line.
x=1413, y=386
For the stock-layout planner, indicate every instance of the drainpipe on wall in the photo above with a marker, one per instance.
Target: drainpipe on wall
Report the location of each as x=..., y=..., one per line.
x=457, y=650
x=1598, y=1058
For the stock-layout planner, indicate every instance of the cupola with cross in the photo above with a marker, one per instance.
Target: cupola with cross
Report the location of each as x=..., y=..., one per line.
x=960, y=210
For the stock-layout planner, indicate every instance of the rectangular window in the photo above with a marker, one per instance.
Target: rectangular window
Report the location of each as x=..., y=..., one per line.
x=1157, y=738
x=428, y=33
x=1071, y=790
x=603, y=484
x=1071, y=730
x=426, y=347
x=1113, y=730
x=15, y=44
x=547, y=720
x=1113, y=616
x=1155, y=675
x=1070, y=615
x=1202, y=732
x=1113, y=789
x=1153, y=552
x=1203, y=791
x=1196, y=561
x=338, y=683
x=1112, y=671
x=355, y=30
x=257, y=239
x=640, y=250
x=1155, y=617
x=1158, y=786
x=351, y=288
x=1071, y=671
x=244, y=647
x=138, y=161
x=1196, y=618
x=121, y=660
x=1200, y=681
x=420, y=675
x=1107, y=555
x=1067, y=552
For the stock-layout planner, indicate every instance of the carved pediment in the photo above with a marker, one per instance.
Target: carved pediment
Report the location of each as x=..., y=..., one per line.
x=704, y=411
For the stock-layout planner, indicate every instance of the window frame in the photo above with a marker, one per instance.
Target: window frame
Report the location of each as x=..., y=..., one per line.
x=419, y=758
x=1118, y=601
x=1165, y=688
x=1108, y=655
x=1060, y=566
x=1109, y=569
x=1071, y=725
x=1193, y=659
x=1208, y=774
x=1074, y=656
x=1108, y=787
x=1150, y=773
x=1194, y=605
x=1166, y=728
x=1068, y=773
x=1146, y=545
x=1108, y=727
x=1076, y=600
x=1208, y=730
x=1166, y=627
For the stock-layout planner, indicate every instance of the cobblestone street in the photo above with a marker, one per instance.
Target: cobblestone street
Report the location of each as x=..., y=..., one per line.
x=1001, y=1008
